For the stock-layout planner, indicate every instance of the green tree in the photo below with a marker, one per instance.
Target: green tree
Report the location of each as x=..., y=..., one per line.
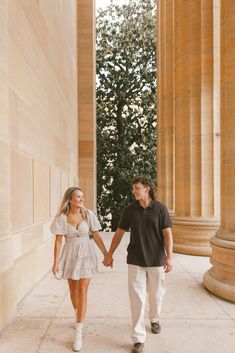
x=126, y=102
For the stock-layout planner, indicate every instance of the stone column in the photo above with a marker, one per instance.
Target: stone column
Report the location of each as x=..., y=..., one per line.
x=86, y=101
x=196, y=122
x=220, y=279
x=165, y=105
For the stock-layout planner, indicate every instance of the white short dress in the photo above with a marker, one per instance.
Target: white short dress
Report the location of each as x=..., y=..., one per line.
x=78, y=258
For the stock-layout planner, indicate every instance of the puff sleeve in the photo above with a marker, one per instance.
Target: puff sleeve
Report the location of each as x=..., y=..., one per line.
x=59, y=225
x=93, y=222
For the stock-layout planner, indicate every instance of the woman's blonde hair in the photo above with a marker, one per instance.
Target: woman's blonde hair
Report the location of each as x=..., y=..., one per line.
x=65, y=203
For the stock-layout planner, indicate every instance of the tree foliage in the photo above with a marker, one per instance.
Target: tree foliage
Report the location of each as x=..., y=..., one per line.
x=126, y=108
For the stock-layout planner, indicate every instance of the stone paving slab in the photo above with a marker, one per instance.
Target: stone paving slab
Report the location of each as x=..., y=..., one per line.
x=193, y=320
x=24, y=335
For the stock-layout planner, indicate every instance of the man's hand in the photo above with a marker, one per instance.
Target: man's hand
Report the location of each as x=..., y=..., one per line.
x=168, y=265
x=108, y=260
x=168, y=243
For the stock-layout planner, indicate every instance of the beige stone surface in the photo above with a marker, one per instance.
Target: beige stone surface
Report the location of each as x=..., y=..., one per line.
x=165, y=105
x=71, y=180
x=31, y=238
x=220, y=279
x=21, y=190
x=41, y=190
x=4, y=121
x=42, y=75
x=8, y=297
x=55, y=192
x=192, y=234
x=4, y=187
x=46, y=230
x=64, y=183
x=30, y=268
x=6, y=253
x=38, y=136
x=189, y=142
x=192, y=318
x=24, y=330
x=87, y=184
x=86, y=100
x=3, y=98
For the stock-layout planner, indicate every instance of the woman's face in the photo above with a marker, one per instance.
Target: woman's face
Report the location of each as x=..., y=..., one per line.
x=77, y=199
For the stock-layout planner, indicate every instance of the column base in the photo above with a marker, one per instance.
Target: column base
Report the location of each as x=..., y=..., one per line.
x=220, y=289
x=192, y=235
x=220, y=278
x=192, y=250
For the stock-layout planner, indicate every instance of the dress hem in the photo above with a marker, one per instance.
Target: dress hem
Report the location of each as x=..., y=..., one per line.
x=75, y=279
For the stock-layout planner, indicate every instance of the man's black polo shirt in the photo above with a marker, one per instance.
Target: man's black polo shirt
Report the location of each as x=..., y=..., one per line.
x=146, y=247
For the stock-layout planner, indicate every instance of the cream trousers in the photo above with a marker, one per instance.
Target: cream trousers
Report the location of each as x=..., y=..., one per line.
x=143, y=280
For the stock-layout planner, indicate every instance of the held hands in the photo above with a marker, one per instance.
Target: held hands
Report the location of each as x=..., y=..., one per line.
x=168, y=265
x=108, y=260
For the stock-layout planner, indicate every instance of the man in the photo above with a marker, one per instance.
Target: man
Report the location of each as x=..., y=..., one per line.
x=149, y=256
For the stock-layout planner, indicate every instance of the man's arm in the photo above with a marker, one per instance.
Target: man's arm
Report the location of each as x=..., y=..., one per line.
x=168, y=243
x=108, y=259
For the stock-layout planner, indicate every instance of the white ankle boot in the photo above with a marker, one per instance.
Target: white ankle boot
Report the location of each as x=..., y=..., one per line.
x=77, y=345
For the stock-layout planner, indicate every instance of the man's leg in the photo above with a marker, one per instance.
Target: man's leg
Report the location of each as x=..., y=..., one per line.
x=156, y=290
x=137, y=295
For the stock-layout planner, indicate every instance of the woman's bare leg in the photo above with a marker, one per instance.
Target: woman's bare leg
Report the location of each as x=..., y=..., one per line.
x=73, y=288
x=83, y=285
x=78, y=294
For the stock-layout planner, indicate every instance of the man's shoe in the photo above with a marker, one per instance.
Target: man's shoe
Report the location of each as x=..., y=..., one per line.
x=137, y=347
x=155, y=327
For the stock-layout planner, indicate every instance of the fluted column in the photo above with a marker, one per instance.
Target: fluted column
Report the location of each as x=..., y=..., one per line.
x=220, y=279
x=165, y=106
x=196, y=128
x=86, y=100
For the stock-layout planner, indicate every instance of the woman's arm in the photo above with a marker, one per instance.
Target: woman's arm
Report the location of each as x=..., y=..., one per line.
x=108, y=261
x=57, y=247
x=99, y=242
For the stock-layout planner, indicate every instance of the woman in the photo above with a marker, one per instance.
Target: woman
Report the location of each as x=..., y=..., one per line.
x=78, y=261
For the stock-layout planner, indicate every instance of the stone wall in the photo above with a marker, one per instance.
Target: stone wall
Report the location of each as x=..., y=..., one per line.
x=38, y=136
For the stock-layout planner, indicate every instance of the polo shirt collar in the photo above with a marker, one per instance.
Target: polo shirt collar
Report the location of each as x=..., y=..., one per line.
x=137, y=204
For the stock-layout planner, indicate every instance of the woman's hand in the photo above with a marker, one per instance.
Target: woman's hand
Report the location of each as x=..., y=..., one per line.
x=54, y=268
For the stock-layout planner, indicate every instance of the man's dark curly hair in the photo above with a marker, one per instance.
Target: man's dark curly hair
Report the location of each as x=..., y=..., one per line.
x=146, y=181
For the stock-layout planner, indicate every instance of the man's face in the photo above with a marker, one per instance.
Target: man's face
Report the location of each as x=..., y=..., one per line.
x=140, y=191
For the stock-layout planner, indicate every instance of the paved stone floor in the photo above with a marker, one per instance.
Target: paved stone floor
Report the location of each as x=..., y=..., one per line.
x=193, y=320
